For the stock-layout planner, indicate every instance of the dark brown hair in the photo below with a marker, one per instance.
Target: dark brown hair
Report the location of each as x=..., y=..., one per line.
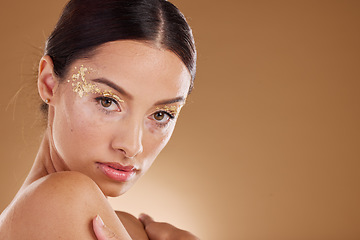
x=86, y=24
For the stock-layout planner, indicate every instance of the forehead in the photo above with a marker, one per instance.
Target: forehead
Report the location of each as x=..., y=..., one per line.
x=141, y=68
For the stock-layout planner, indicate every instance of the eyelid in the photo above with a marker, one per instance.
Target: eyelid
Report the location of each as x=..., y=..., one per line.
x=172, y=110
x=109, y=94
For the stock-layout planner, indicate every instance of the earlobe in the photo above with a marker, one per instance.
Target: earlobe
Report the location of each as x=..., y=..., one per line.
x=46, y=79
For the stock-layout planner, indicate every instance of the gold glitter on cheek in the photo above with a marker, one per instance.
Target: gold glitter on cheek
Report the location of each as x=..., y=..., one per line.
x=82, y=87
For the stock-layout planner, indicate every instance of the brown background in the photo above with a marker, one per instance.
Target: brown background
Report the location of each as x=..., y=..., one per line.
x=268, y=145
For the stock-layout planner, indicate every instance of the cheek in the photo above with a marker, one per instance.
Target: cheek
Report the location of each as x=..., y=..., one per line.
x=154, y=143
x=75, y=133
x=159, y=137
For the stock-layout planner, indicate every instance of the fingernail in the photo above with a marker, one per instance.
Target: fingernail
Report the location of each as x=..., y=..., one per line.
x=98, y=218
x=142, y=215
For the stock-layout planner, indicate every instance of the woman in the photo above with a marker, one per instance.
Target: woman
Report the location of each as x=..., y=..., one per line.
x=113, y=79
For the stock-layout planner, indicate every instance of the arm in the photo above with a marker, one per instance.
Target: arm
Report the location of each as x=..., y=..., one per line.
x=61, y=205
x=155, y=230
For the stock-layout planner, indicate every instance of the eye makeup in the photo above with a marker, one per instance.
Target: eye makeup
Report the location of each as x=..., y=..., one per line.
x=83, y=87
x=173, y=110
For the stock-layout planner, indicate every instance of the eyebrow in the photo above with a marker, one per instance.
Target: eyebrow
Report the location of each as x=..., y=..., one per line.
x=129, y=96
x=169, y=101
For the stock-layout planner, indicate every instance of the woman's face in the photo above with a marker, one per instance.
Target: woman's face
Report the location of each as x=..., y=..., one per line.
x=116, y=111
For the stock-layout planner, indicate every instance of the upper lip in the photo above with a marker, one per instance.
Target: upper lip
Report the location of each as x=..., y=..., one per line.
x=119, y=166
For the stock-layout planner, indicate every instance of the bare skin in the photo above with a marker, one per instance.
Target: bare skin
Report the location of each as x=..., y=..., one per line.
x=154, y=230
x=67, y=185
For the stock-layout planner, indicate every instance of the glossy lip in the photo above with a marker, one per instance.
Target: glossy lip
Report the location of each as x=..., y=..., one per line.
x=116, y=171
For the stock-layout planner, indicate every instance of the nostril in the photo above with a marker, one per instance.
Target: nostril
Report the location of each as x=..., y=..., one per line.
x=130, y=154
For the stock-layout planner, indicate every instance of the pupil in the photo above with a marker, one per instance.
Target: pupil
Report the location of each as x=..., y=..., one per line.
x=106, y=102
x=159, y=116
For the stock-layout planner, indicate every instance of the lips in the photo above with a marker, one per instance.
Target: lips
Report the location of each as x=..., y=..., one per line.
x=117, y=172
x=120, y=167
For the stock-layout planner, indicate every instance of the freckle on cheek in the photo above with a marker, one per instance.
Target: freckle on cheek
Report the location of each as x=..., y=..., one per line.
x=152, y=130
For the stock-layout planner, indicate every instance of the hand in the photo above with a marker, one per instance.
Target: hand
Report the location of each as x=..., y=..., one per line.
x=101, y=231
x=161, y=231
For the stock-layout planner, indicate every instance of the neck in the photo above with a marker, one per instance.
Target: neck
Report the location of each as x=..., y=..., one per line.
x=43, y=164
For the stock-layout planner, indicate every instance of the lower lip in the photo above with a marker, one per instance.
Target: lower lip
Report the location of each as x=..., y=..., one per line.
x=117, y=175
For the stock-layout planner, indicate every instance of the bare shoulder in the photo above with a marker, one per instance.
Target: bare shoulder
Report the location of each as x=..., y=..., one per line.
x=60, y=205
x=133, y=225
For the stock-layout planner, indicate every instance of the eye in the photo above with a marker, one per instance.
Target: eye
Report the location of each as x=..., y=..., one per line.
x=109, y=104
x=106, y=102
x=162, y=117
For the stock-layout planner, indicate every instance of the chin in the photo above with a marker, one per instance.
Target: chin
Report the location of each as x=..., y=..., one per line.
x=116, y=190
x=114, y=193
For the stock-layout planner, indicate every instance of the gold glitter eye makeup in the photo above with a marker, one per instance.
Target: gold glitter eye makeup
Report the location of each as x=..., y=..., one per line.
x=172, y=110
x=83, y=87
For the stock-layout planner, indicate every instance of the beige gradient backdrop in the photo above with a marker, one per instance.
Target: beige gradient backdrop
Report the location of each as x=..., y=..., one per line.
x=268, y=146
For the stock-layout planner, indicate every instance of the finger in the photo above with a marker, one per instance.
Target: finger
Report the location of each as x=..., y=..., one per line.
x=101, y=231
x=145, y=219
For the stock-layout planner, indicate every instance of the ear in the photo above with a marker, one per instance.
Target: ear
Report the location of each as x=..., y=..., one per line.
x=47, y=81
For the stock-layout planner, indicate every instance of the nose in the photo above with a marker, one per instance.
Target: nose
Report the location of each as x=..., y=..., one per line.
x=128, y=138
